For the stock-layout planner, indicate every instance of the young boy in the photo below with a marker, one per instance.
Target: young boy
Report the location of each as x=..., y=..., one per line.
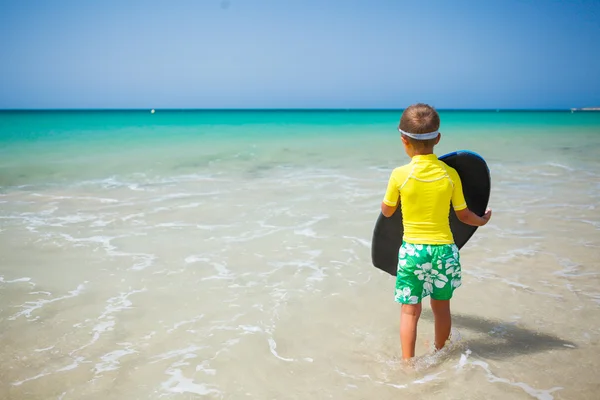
x=428, y=260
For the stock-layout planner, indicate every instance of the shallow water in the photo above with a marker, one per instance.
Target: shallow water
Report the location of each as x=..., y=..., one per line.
x=249, y=275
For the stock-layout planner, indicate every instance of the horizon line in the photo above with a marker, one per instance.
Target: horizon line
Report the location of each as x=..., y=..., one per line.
x=148, y=109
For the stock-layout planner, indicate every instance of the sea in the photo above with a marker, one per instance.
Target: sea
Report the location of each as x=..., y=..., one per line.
x=225, y=254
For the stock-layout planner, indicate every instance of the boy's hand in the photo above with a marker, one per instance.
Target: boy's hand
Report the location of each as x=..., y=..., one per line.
x=488, y=214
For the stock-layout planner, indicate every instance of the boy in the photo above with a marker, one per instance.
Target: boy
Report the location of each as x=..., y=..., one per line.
x=428, y=260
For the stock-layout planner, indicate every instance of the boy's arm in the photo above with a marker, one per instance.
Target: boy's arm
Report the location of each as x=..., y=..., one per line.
x=468, y=217
x=388, y=211
x=392, y=195
x=463, y=213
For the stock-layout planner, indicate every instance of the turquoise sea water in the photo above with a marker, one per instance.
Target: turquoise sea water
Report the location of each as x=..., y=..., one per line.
x=226, y=254
x=38, y=147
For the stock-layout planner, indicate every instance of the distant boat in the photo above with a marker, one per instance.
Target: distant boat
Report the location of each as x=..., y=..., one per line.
x=586, y=109
x=152, y=111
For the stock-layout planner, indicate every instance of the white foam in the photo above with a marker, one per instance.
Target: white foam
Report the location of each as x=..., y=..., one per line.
x=92, y=198
x=159, y=209
x=570, y=268
x=187, y=352
x=221, y=268
x=71, y=366
x=44, y=349
x=171, y=196
x=194, y=259
x=232, y=342
x=247, y=285
x=101, y=223
x=346, y=375
x=463, y=360
x=149, y=336
x=16, y=280
x=119, y=303
x=130, y=216
x=31, y=306
x=204, y=368
x=557, y=165
x=595, y=297
x=98, y=330
x=38, y=376
x=178, y=383
x=190, y=205
x=397, y=386
x=173, y=225
x=273, y=347
x=212, y=227
x=428, y=378
x=308, y=232
x=318, y=272
x=143, y=261
x=110, y=361
x=75, y=219
x=181, y=323
x=250, y=329
x=595, y=224
x=107, y=321
x=104, y=241
x=515, y=284
x=135, y=187
x=536, y=393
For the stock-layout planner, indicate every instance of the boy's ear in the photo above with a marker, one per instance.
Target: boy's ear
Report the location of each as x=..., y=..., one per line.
x=438, y=138
x=404, y=140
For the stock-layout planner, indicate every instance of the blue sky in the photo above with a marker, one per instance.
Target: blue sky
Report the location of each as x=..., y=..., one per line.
x=299, y=54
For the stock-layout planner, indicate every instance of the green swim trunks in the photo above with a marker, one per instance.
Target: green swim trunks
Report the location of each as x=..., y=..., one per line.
x=425, y=270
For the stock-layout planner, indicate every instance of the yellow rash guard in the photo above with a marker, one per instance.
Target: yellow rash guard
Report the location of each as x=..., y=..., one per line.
x=425, y=187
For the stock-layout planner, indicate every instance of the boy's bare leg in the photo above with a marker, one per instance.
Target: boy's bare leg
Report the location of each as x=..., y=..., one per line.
x=408, y=329
x=443, y=321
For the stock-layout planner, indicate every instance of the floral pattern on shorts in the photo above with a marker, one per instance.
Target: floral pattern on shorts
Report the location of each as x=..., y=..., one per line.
x=427, y=270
